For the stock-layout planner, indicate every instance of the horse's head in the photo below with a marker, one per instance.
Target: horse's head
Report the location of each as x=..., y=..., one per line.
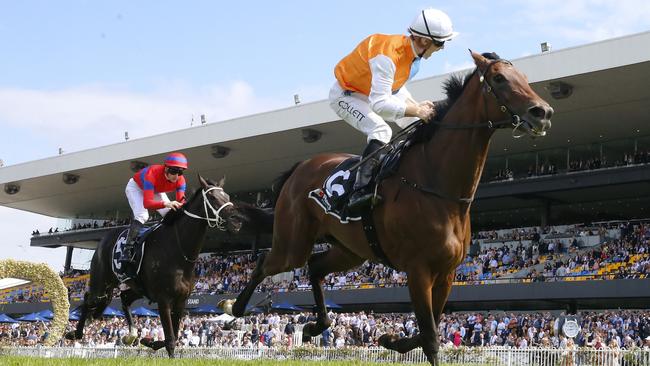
x=515, y=99
x=222, y=211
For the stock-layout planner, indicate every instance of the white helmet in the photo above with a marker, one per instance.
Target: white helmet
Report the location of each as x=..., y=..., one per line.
x=434, y=24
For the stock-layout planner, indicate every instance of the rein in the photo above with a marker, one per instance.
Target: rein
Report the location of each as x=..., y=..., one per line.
x=178, y=244
x=216, y=221
x=514, y=120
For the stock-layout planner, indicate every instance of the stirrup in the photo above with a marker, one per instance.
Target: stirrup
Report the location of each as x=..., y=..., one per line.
x=363, y=200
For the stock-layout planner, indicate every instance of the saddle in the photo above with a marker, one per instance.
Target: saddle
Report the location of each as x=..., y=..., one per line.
x=120, y=271
x=333, y=196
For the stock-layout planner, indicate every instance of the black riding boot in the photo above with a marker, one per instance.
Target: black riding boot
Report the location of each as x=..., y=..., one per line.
x=129, y=248
x=362, y=193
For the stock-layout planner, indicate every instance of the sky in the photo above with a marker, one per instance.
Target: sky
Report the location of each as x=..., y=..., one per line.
x=78, y=74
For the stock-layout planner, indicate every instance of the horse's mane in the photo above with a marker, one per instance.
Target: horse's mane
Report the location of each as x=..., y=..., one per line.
x=279, y=182
x=171, y=216
x=454, y=87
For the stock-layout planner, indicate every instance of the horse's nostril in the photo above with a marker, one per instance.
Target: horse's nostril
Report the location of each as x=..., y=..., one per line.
x=549, y=112
x=541, y=112
x=537, y=112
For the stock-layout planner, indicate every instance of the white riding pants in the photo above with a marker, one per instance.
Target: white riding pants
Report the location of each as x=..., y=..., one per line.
x=354, y=108
x=135, y=195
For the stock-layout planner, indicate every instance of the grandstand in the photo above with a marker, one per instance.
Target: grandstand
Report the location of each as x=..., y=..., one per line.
x=573, y=185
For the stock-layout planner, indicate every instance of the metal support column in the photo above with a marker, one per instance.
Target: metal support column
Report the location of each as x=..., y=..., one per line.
x=68, y=260
x=546, y=213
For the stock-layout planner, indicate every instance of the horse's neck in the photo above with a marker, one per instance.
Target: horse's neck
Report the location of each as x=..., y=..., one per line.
x=455, y=157
x=191, y=231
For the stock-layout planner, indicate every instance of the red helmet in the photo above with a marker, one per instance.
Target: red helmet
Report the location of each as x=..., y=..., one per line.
x=176, y=159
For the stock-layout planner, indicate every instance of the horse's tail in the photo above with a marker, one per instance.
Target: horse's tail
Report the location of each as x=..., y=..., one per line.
x=280, y=181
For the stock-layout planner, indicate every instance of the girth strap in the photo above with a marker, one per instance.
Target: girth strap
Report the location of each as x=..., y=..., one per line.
x=373, y=240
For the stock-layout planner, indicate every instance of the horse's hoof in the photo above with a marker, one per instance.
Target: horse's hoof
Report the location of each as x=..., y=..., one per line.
x=72, y=336
x=229, y=325
x=387, y=340
x=147, y=342
x=226, y=305
x=434, y=360
x=308, y=330
x=129, y=340
x=157, y=345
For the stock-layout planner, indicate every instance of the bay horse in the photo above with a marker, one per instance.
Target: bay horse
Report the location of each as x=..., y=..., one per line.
x=167, y=274
x=424, y=223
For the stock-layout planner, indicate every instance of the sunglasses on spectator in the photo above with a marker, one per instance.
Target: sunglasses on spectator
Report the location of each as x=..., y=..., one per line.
x=175, y=171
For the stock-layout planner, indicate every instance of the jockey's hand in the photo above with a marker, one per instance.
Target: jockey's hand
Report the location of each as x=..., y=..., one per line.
x=174, y=205
x=427, y=103
x=426, y=110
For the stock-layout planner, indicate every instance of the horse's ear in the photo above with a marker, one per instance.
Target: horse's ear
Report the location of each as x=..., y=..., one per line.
x=480, y=61
x=204, y=184
x=221, y=182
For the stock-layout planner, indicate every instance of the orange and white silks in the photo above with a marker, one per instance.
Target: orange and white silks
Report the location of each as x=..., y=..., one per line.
x=370, y=85
x=355, y=71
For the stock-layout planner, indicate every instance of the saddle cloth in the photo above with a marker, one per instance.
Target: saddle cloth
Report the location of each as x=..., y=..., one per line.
x=119, y=270
x=333, y=196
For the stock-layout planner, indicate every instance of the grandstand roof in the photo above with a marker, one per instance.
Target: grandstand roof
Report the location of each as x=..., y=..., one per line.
x=11, y=282
x=610, y=99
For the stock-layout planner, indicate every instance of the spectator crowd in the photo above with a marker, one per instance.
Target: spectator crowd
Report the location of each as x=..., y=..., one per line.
x=624, y=329
x=526, y=254
x=548, y=167
x=87, y=225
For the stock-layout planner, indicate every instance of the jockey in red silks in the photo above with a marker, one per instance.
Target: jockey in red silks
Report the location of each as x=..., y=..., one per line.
x=146, y=191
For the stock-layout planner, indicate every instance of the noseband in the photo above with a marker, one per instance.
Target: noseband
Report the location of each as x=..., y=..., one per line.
x=487, y=88
x=515, y=121
x=216, y=221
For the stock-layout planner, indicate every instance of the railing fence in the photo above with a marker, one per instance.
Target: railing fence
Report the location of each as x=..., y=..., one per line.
x=451, y=356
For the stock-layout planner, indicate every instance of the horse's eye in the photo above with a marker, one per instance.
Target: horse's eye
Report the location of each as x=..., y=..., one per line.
x=499, y=78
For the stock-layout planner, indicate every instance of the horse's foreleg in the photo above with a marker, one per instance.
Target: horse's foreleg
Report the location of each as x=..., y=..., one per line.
x=420, y=284
x=320, y=265
x=440, y=293
x=177, y=314
x=166, y=321
x=128, y=297
x=239, y=307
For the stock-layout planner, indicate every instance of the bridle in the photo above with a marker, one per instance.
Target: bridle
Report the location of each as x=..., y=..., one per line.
x=216, y=221
x=515, y=120
x=487, y=89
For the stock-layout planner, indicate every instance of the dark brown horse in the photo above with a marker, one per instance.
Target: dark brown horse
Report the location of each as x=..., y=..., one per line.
x=167, y=276
x=424, y=223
